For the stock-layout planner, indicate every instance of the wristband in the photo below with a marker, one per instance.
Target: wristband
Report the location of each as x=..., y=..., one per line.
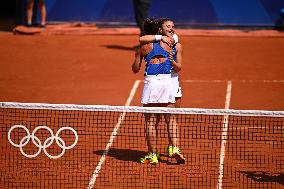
x=158, y=37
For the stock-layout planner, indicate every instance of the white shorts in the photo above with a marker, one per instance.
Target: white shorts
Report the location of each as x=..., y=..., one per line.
x=176, y=85
x=158, y=89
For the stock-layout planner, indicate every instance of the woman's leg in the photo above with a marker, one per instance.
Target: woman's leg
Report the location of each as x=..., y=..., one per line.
x=172, y=127
x=30, y=12
x=43, y=13
x=173, y=134
x=178, y=102
x=151, y=132
x=152, y=121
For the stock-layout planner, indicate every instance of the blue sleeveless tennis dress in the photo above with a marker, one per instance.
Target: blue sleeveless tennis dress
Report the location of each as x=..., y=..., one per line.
x=158, y=86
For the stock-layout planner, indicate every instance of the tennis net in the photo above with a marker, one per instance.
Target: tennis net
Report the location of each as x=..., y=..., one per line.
x=86, y=146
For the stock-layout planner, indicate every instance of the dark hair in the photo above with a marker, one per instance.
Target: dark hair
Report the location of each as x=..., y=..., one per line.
x=161, y=21
x=151, y=26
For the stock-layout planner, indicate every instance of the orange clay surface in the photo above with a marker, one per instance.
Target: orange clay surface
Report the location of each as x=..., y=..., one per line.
x=96, y=69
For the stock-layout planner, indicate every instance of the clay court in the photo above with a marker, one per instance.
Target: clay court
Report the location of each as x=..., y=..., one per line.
x=96, y=68
x=241, y=70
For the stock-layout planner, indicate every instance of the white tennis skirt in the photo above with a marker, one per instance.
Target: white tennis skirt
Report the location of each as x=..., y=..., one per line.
x=158, y=89
x=176, y=85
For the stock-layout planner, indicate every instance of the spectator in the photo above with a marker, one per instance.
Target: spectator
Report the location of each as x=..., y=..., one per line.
x=141, y=8
x=30, y=12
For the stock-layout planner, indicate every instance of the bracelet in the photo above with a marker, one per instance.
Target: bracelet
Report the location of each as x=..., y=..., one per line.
x=158, y=37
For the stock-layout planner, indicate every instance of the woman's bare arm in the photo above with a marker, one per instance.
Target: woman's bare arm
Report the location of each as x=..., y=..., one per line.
x=137, y=60
x=178, y=63
x=152, y=38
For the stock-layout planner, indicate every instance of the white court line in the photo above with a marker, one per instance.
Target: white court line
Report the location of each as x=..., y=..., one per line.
x=224, y=135
x=112, y=137
x=203, y=81
x=240, y=81
x=261, y=81
x=225, y=81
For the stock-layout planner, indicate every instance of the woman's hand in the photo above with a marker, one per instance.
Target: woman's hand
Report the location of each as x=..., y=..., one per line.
x=171, y=57
x=169, y=41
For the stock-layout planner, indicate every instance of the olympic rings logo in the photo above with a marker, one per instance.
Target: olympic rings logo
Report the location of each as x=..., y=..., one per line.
x=38, y=143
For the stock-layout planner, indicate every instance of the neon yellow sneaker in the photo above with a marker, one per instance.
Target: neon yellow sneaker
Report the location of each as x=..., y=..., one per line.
x=174, y=152
x=150, y=158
